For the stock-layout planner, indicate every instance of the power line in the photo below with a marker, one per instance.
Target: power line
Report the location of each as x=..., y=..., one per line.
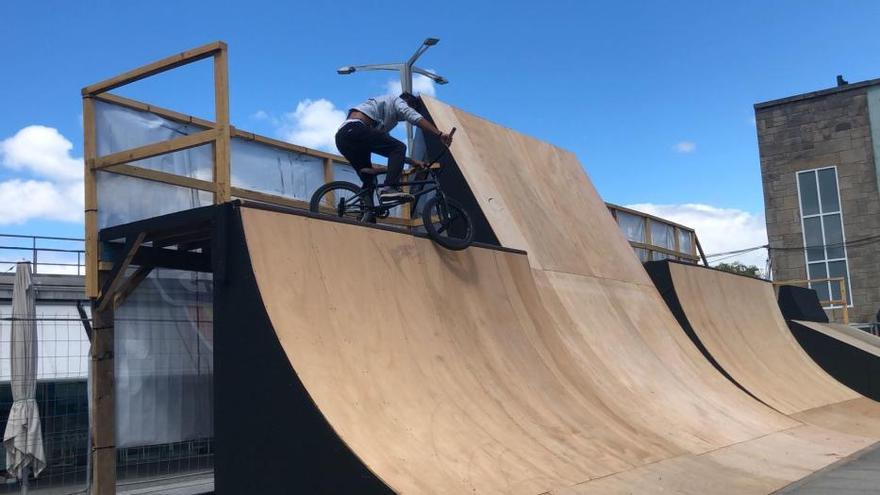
x=852, y=243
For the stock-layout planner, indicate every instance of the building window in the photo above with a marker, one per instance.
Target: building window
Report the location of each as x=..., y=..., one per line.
x=822, y=227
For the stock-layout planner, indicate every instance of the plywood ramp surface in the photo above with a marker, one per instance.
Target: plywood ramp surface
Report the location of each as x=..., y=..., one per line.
x=538, y=198
x=738, y=321
x=848, y=335
x=471, y=372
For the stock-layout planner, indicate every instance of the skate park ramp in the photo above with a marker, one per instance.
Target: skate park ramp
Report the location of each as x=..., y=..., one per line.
x=850, y=355
x=737, y=321
x=376, y=362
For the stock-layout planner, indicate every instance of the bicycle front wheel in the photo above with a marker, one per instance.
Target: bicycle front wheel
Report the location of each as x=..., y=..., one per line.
x=342, y=199
x=448, y=223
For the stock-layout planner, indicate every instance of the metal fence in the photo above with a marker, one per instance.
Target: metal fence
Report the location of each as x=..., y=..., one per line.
x=64, y=255
x=62, y=399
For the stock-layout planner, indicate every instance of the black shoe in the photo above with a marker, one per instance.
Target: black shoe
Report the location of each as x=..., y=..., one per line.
x=388, y=194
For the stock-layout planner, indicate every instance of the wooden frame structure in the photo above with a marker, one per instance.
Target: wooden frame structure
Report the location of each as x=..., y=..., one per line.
x=693, y=256
x=107, y=282
x=832, y=304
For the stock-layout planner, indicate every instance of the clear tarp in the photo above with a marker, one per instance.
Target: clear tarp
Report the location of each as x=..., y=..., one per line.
x=123, y=199
x=267, y=169
x=119, y=129
x=164, y=360
x=662, y=235
x=633, y=226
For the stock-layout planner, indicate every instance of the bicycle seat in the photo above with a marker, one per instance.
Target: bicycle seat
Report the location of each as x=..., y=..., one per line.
x=373, y=170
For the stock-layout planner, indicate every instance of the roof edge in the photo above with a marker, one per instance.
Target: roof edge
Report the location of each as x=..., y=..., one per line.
x=816, y=94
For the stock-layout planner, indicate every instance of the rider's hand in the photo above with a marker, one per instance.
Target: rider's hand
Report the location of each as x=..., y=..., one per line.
x=419, y=163
x=446, y=139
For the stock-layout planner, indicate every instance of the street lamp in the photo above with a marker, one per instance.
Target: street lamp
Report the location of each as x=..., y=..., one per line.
x=406, y=70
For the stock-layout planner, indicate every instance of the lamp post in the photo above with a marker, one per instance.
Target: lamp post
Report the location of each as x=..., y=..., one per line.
x=406, y=70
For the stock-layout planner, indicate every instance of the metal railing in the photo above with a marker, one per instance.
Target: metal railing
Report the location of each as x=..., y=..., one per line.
x=67, y=260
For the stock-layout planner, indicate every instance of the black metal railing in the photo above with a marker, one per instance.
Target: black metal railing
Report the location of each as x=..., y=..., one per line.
x=47, y=254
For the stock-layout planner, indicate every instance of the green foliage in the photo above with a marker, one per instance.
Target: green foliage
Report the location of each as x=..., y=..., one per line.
x=737, y=267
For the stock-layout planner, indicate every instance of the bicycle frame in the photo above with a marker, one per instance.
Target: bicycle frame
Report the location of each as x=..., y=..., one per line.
x=380, y=210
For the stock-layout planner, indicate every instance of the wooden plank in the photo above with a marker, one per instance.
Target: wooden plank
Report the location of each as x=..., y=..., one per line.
x=154, y=68
x=163, y=177
x=156, y=149
x=160, y=111
x=91, y=199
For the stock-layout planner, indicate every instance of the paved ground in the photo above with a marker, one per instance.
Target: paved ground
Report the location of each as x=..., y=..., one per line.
x=858, y=474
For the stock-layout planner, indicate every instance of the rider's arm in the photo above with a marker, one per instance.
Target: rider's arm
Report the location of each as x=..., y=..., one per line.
x=416, y=119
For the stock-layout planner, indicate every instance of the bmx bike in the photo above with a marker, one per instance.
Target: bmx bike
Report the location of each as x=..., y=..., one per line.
x=444, y=219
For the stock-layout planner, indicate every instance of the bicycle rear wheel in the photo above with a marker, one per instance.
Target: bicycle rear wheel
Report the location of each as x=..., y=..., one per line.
x=342, y=199
x=448, y=223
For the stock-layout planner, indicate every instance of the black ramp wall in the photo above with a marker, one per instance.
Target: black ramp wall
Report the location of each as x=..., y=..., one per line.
x=271, y=438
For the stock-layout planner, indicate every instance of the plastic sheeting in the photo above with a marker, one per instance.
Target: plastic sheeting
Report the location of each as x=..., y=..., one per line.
x=164, y=360
x=123, y=199
x=270, y=170
x=633, y=226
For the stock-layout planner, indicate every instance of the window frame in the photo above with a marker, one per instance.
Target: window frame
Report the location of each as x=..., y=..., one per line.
x=821, y=216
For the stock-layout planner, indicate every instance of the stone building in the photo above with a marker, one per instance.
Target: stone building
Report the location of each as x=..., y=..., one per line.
x=821, y=190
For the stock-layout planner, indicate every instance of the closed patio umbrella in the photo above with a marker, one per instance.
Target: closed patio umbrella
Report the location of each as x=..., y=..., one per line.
x=23, y=438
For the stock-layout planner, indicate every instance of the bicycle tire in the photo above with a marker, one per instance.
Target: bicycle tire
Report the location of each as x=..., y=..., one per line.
x=363, y=213
x=447, y=210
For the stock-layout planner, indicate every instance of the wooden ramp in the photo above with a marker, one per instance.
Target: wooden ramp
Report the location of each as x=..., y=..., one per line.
x=737, y=322
x=409, y=369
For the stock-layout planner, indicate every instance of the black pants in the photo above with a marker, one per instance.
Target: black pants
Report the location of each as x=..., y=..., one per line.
x=357, y=143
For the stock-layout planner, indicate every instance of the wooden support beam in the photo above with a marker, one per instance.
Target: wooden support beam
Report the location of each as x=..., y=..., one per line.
x=328, y=177
x=160, y=111
x=91, y=199
x=163, y=177
x=84, y=318
x=131, y=284
x=103, y=402
x=700, y=250
x=154, y=68
x=115, y=277
x=156, y=149
x=222, y=146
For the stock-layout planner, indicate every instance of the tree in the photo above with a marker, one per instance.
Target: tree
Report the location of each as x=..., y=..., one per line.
x=739, y=268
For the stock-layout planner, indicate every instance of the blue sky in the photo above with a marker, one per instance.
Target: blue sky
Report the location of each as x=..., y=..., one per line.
x=654, y=97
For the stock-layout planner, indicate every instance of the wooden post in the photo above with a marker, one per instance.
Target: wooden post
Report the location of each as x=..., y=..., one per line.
x=103, y=392
x=91, y=197
x=843, y=298
x=222, y=166
x=647, y=223
x=328, y=177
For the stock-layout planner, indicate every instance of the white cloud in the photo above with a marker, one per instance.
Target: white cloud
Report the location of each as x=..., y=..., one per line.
x=43, y=151
x=685, y=147
x=719, y=229
x=421, y=86
x=313, y=124
x=260, y=115
x=58, y=195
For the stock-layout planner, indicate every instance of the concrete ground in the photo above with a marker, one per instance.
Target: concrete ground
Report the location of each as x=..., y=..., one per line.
x=858, y=474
